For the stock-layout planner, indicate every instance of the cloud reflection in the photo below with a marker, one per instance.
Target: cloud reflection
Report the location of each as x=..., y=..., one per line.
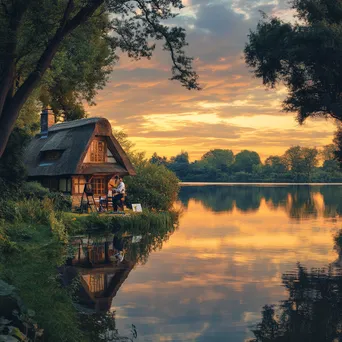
x=211, y=279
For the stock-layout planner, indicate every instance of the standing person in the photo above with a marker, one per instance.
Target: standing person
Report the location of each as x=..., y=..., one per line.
x=118, y=194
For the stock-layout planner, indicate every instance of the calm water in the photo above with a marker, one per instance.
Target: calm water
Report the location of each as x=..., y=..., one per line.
x=234, y=249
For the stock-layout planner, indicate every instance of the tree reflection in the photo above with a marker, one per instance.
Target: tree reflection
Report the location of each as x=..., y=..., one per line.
x=299, y=202
x=313, y=309
x=101, y=327
x=333, y=207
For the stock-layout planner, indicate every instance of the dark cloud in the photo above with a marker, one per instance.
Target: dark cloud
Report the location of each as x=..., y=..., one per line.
x=219, y=20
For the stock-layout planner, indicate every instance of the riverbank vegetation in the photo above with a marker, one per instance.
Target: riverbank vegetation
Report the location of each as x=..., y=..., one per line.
x=297, y=164
x=34, y=241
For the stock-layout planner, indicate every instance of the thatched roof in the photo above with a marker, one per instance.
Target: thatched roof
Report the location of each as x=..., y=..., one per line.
x=71, y=140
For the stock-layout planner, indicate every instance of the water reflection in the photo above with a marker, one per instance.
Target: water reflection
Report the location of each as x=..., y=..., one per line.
x=313, y=309
x=98, y=268
x=299, y=202
x=210, y=281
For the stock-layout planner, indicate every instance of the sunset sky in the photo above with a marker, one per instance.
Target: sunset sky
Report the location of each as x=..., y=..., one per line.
x=233, y=111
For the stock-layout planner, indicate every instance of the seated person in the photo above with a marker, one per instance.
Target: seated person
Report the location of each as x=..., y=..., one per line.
x=118, y=194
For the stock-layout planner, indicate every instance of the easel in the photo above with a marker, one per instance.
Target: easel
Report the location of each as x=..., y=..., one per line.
x=88, y=194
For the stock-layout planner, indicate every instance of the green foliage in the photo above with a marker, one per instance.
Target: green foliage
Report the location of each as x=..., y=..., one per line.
x=298, y=164
x=154, y=186
x=301, y=161
x=146, y=222
x=34, y=190
x=60, y=201
x=30, y=251
x=66, y=84
x=245, y=160
x=180, y=164
x=275, y=164
x=219, y=159
x=155, y=159
x=18, y=324
x=305, y=56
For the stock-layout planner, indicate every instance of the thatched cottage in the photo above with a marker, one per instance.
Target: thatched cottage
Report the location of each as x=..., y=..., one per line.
x=64, y=156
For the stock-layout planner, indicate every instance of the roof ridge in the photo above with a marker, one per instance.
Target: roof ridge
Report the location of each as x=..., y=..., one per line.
x=75, y=123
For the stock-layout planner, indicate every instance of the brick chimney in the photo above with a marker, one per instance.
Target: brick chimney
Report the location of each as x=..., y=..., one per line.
x=47, y=119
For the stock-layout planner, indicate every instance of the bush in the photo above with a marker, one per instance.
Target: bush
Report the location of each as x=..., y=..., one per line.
x=154, y=186
x=34, y=190
x=60, y=201
x=7, y=210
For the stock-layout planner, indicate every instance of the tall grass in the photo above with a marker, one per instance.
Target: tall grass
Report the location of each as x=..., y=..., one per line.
x=31, y=248
x=136, y=223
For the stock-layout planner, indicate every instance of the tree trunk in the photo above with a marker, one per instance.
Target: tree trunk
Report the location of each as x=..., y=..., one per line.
x=7, y=122
x=10, y=112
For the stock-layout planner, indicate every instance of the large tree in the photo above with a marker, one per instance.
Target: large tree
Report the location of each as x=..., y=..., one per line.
x=245, y=160
x=34, y=31
x=306, y=56
x=219, y=159
x=301, y=161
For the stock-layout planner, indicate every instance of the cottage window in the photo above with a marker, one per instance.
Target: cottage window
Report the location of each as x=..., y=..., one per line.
x=98, y=151
x=50, y=183
x=98, y=185
x=65, y=185
x=78, y=185
x=50, y=156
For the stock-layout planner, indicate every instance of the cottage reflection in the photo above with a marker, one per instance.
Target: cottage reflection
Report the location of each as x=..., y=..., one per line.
x=102, y=268
x=103, y=263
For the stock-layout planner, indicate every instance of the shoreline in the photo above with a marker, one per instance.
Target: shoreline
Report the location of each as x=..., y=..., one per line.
x=254, y=184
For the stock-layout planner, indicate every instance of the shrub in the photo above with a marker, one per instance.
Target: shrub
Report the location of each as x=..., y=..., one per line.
x=7, y=210
x=60, y=201
x=34, y=190
x=33, y=211
x=154, y=186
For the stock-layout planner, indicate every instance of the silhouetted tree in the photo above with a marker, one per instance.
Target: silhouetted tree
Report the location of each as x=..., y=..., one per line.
x=245, y=160
x=305, y=56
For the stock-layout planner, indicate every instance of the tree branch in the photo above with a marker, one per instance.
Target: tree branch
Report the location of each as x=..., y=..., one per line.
x=186, y=76
x=10, y=110
x=66, y=26
x=8, y=74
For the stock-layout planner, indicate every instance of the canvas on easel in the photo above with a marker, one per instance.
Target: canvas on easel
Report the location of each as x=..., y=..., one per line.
x=137, y=208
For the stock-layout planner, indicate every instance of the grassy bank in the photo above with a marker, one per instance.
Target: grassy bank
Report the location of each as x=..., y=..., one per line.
x=134, y=223
x=34, y=242
x=29, y=256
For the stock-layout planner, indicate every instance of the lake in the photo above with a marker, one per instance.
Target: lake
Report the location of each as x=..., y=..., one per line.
x=236, y=249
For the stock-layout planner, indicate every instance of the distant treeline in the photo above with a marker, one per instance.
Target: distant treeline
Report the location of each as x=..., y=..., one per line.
x=297, y=164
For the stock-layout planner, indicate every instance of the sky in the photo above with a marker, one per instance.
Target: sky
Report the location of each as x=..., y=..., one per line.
x=232, y=111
